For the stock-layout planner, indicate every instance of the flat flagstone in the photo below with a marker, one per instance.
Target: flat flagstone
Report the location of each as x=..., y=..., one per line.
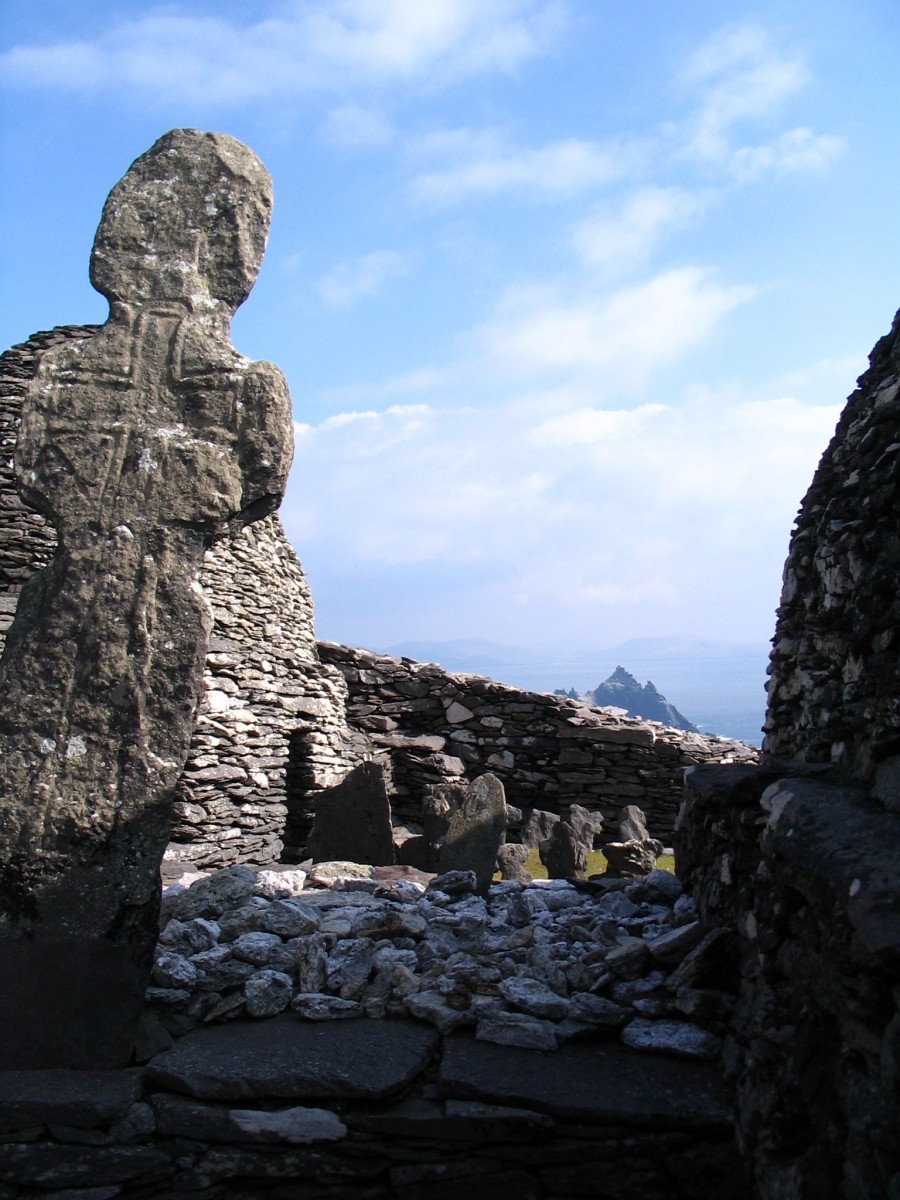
x=587, y=1081
x=83, y=1099
x=288, y=1057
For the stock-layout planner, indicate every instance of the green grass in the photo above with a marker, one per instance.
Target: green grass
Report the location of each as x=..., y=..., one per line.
x=596, y=864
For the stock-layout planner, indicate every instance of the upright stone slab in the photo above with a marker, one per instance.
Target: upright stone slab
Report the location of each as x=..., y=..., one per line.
x=476, y=828
x=564, y=854
x=353, y=820
x=141, y=445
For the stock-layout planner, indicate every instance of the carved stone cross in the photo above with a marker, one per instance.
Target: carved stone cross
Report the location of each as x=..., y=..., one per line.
x=142, y=445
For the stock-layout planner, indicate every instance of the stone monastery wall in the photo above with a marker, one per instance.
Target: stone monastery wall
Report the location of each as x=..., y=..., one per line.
x=834, y=693
x=548, y=750
x=799, y=856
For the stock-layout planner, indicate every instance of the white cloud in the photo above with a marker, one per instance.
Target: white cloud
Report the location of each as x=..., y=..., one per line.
x=415, y=382
x=310, y=45
x=349, y=282
x=644, y=519
x=797, y=150
x=623, y=335
x=740, y=78
x=625, y=238
x=590, y=425
x=483, y=163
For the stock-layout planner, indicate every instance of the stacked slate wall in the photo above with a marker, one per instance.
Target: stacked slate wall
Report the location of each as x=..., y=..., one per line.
x=834, y=691
x=799, y=856
x=549, y=751
x=272, y=716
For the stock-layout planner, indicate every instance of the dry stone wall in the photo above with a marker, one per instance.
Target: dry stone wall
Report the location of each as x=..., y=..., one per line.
x=549, y=751
x=272, y=717
x=799, y=857
x=834, y=692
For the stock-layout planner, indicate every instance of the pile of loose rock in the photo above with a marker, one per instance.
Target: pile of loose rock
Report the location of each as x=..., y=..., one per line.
x=531, y=965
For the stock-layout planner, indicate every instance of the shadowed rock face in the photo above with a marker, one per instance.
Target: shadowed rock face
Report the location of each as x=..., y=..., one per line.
x=141, y=445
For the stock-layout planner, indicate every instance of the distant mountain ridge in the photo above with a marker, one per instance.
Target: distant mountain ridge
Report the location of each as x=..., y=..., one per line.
x=622, y=690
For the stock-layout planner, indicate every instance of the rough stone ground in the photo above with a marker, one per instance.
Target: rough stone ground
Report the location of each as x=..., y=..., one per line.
x=532, y=966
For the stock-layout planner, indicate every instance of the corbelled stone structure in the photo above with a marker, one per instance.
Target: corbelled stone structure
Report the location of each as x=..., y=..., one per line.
x=141, y=446
x=834, y=692
x=800, y=857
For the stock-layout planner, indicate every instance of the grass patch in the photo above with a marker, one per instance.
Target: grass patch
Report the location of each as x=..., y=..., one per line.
x=596, y=864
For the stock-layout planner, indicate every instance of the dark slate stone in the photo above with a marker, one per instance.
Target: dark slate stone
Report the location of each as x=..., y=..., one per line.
x=563, y=853
x=477, y=1179
x=46, y=1165
x=836, y=840
x=353, y=820
x=72, y=1001
x=538, y=827
x=84, y=1099
x=605, y=1083
x=456, y=1120
x=287, y=1057
x=476, y=829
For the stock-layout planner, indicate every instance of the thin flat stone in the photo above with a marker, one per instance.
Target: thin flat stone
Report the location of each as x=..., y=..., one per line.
x=587, y=1081
x=288, y=1057
x=47, y=1165
x=671, y=1037
x=296, y=1126
x=457, y=1120
x=83, y=1099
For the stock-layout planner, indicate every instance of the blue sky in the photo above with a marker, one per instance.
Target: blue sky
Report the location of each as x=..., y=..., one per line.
x=568, y=293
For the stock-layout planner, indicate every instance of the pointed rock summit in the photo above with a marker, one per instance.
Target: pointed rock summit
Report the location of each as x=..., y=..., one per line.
x=622, y=690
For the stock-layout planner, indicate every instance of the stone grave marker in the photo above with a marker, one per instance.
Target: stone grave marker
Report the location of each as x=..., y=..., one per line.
x=353, y=820
x=142, y=445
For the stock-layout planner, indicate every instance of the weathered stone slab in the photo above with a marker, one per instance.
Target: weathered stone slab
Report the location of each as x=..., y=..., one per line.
x=45, y=1165
x=296, y=1126
x=511, y=861
x=353, y=820
x=457, y=1120
x=564, y=854
x=475, y=830
x=839, y=842
x=141, y=445
x=287, y=1057
x=587, y=1082
x=82, y=1099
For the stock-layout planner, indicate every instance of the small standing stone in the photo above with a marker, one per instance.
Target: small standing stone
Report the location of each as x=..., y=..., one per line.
x=538, y=827
x=475, y=830
x=353, y=820
x=564, y=854
x=511, y=860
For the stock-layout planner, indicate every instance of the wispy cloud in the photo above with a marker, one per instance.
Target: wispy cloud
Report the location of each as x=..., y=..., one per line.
x=484, y=163
x=553, y=516
x=621, y=335
x=625, y=237
x=349, y=282
x=310, y=45
x=740, y=77
x=798, y=150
